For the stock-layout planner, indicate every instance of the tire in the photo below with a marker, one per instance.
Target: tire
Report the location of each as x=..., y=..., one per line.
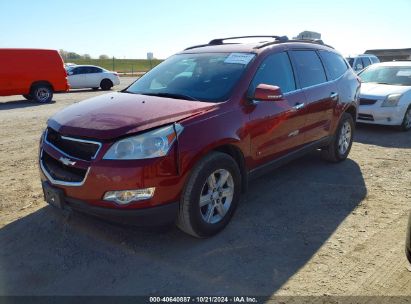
x=406, y=123
x=42, y=93
x=340, y=145
x=106, y=84
x=28, y=96
x=219, y=202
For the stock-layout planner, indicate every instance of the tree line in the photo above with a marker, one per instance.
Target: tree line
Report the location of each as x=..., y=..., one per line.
x=66, y=55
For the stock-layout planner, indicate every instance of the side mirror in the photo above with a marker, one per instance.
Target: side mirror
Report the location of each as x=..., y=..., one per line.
x=265, y=92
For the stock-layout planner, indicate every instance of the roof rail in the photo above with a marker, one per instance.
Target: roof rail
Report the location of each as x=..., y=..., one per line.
x=316, y=41
x=221, y=40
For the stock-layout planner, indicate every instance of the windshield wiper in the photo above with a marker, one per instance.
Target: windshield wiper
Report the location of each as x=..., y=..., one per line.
x=171, y=95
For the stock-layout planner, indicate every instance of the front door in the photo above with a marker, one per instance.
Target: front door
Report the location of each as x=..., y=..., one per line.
x=276, y=127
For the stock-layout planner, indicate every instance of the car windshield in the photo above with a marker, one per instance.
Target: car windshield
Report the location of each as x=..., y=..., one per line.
x=392, y=75
x=205, y=77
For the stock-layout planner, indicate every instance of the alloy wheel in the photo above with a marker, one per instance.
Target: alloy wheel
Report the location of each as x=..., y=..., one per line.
x=216, y=196
x=344, y=138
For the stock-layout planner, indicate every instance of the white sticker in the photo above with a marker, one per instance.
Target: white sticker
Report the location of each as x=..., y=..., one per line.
x=239, y=58
x=406, y=73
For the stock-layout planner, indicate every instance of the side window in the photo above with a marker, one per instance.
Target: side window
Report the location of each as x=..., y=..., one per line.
x=359, y=65
x=374, y=60
x=334, y=64
x=95, y=70
x=275, y=70
x=309, y=68
x=366, y=61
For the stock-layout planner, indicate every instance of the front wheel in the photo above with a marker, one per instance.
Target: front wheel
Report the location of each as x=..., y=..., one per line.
x=340, y=145
x=210, y=196
x=42, y=94
x=406, y=123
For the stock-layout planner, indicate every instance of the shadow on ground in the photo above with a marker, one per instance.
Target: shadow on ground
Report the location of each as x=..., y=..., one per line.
x=19, y=104
x=384, y=136
x=283, y=220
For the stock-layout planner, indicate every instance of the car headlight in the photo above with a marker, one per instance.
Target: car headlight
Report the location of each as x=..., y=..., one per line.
x=391, y=100
x=155, y=143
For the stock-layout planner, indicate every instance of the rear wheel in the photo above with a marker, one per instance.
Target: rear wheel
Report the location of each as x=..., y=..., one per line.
x=340, y=146
x=406, y=123
x=106, y=84
x=42, y=93
x=211, y=196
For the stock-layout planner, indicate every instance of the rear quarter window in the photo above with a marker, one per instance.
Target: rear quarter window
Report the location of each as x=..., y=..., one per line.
x=334, y=64
x=310, y=70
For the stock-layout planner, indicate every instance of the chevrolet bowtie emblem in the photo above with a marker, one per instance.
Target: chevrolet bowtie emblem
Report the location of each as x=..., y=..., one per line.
x=67, y=161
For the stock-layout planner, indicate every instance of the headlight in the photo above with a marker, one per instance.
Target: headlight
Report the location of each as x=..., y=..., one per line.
x=391, y=100
x=155, y=143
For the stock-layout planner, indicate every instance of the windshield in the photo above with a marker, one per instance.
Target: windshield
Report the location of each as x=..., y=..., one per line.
x=393, y=75
x=205, y=77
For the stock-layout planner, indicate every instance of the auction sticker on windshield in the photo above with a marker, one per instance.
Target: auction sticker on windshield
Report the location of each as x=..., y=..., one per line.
x=239, y=58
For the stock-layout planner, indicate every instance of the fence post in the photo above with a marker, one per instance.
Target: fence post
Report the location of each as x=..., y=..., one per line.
x=113, y=64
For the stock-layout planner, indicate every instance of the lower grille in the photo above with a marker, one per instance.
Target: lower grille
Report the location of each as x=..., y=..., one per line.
x=366, y=117
x=60, y=172
x=367, y=102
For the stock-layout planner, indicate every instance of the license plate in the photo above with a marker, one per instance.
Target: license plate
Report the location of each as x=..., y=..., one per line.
x=53, y=196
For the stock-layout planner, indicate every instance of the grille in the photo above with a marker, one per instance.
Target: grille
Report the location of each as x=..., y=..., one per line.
x=367, y=102
x=81, y=149
x=366, y=117
x=61, y=172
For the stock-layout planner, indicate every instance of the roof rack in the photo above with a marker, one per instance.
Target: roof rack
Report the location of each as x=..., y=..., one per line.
x=277, y=39
x=316, y=41
x=220, y=41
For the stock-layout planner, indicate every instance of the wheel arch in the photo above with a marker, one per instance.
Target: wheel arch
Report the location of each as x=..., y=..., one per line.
x=41, y=82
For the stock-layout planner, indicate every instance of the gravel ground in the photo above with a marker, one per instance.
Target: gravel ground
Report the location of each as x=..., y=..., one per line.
x=309, y=228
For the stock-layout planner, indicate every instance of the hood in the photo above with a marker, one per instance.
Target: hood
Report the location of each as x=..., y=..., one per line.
x=113, y=115
x=381, y=90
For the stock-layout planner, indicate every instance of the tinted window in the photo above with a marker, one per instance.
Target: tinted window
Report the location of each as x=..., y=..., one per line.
x=275, y=70
x=309, y=68
x=94, y=70
x=366, y=61
x=334, y=64
x=359, y=65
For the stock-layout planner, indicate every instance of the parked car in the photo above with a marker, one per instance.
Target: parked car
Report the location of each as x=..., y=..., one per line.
x=360, y=62
x=35, y=74
x=182, y=142
x=90, y=76
x=408, y=241
x=386, y=94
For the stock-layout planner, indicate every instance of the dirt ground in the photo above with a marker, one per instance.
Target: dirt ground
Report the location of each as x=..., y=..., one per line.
x=309, y=228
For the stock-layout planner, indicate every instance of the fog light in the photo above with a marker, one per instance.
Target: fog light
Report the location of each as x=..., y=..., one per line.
x=127, y=196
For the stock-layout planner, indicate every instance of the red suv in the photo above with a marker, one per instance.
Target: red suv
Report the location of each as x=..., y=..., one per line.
x=181, y=143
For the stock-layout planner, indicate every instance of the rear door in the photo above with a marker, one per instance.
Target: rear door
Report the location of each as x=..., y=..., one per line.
x=321, y=95
x=276, y=127
x=93, y=77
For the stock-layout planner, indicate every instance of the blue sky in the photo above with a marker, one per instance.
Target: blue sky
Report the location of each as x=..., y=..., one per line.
x=131, y=28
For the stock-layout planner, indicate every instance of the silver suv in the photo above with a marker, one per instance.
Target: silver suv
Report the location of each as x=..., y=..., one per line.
x=360, y=62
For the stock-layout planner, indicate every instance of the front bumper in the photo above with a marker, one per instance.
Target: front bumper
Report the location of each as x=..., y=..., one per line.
x=155, y=216
x=375, y=114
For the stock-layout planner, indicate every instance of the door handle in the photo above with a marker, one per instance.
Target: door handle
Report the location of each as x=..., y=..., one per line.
x=298, y=106
x=334, y=96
